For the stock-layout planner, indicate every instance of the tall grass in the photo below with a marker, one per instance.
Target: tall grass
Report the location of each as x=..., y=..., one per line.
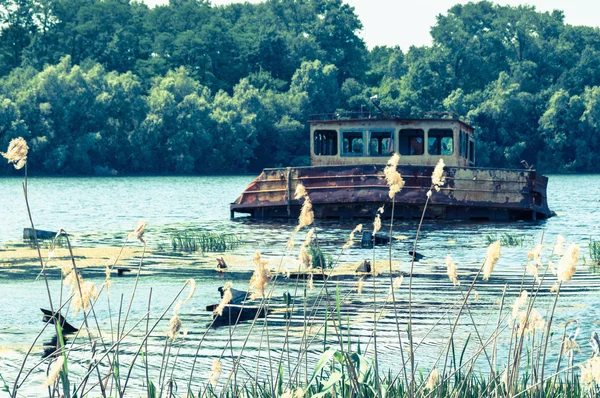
x=203, y=242
x=508, y=240
x=463, y=368
x=594, y=250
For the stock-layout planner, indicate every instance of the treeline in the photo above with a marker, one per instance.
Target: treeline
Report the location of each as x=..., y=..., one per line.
x=112, y=85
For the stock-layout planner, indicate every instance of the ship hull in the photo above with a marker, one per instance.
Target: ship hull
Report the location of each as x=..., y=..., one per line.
x=357, y=191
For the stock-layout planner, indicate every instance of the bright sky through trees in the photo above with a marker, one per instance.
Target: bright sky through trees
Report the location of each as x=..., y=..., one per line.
x=406, y=23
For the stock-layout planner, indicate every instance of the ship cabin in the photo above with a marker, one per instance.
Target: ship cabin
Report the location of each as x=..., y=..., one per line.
x=420, y=142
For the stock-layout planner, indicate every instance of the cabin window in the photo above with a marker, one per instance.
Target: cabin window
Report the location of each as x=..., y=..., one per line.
x=411, y=142
x=471, y=152
x=353, y=144
x=381, y=143
x=462, y=144
x=326, y=142
x=440, y=141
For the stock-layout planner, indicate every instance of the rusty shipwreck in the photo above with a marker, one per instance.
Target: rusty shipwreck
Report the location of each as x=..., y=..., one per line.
x=345, y=179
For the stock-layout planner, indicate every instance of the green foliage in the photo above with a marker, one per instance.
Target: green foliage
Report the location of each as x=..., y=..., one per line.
x=116, y=87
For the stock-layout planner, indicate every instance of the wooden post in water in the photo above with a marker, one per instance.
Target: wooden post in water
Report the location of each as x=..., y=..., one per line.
x=289, y=191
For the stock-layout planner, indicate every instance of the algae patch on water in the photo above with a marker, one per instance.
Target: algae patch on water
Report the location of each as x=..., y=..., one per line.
x=85, y=256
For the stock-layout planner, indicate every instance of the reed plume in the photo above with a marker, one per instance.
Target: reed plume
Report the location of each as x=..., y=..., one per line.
x=174, y=327
x=570, y=345
x=55, y=370
x=558, y=246
x=491, y=258
x=534, y=254
x=528, y=323
x=376, y=224
x=260, y=278
x=433, y=379
x=360, y=286
x=300, y=192
x=309, y=236
x=452, y=271
x=17, y=153
x=215, y=372
x=519, y=303
x=138, y=232
x=290, y=244
x=533, y=270
x=437, y=177
x=226, y=299
x=566, y=267
x=192, y=283
x=83, y=297
x=350, y=241
x=590, y=371
x=107, y=280
x=392, y=177
x=304, y=257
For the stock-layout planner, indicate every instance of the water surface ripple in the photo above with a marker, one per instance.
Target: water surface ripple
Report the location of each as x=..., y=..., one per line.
x=100, y=211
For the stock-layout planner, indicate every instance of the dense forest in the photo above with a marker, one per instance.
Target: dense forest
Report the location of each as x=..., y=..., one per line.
x=104, y=86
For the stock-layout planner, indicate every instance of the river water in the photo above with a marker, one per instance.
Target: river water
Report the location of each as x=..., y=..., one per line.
x=99, y=212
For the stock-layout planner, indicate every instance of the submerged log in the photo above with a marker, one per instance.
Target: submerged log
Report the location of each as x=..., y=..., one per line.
x=368, y=239
x=232, y=314
x=316, y=276
x=237, y=310
x=237, y=297
x=40, y=233
x=50, y=317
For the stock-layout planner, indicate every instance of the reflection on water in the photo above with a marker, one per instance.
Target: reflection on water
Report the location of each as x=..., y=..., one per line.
x=99, y=211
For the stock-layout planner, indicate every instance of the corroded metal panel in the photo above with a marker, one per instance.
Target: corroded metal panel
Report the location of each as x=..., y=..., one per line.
x=340, y=191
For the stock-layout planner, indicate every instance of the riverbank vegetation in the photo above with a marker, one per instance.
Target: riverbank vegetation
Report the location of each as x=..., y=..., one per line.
x=526, y=352
x=106, y=87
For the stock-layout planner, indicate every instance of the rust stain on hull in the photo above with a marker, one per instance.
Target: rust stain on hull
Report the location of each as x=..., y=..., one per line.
x=358, y=190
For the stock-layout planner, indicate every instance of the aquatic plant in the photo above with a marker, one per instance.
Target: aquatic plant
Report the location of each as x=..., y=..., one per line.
x=319, y=259
x=204, y=242
x=594, y=250
x=508, y=240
